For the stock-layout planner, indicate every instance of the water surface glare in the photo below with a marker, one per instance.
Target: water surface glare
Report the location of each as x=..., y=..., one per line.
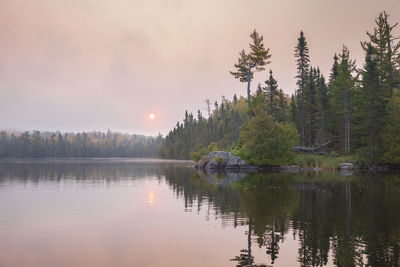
x=164, y=213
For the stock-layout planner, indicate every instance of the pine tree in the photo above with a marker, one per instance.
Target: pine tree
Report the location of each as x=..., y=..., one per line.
x=322, y=108
x=373, y=106
x=387, y=53
x=293, y=110
x=303, y=63
x=255, y=60
x=282, y=106
x=309, y=101
x=340, y=93
x=271, y=95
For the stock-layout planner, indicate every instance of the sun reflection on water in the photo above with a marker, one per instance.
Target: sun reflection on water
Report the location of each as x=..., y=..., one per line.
x=150, y=198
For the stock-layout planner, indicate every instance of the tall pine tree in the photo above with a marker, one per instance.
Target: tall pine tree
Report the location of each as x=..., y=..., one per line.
x=303, y=64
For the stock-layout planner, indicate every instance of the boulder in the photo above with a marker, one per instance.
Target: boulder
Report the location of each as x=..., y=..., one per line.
x=221, y=160
x=346, y=166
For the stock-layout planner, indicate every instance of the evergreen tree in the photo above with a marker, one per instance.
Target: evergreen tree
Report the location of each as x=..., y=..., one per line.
x=391, y=132
x=271, y=96
x=322, y=109
x=255, y=60
x=282, y=106
x=340, y=93
x=386, y=53
x=372, y=111
x=303, y=63
x=309, y=101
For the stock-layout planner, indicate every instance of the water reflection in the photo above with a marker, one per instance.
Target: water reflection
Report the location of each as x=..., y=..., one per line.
x=150, y=198
x=335, y=220
x=353, y=219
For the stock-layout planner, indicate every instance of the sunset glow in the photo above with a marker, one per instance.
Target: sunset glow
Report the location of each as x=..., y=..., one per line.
x=151, y=116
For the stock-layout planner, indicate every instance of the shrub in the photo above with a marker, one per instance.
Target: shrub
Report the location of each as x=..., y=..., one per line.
x=320, y=161
x=219, y=160
x=195, y=156
x=204, y=159
x=267, y=142
x=212, y=147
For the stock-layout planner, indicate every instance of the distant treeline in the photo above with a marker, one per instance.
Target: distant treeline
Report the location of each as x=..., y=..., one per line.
x=81, y=145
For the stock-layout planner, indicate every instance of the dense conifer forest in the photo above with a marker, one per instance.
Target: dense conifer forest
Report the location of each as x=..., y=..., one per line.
x=356, y=110
x=77, y=145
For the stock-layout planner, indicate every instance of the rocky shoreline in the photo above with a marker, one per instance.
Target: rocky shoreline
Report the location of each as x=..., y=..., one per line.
x=226, y=161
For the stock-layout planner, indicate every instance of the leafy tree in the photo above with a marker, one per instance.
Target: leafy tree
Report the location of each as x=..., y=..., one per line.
x=267, y=142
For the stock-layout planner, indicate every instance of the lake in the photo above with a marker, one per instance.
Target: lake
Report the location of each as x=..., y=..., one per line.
x=125, y=212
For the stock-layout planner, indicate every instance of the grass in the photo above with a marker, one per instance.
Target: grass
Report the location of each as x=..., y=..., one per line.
x=321, y=161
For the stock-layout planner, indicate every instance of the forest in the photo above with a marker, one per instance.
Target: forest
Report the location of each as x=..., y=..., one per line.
x=355, y=110
x=77, y=145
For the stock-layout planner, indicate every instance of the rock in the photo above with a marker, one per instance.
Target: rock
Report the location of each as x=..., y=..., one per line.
x=346, y=169
x=220, y=160
x=346, y=166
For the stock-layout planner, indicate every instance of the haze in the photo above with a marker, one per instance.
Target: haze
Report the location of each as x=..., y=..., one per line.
x=97, y=65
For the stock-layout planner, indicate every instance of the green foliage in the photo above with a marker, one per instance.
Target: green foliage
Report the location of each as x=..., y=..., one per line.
x=303, y=63
x=391, y=133
x=331, y=161
x=267, y=142
x=341, y=94
x=195, y=156
x=219, y=160
x=372, y=108
x=356, y=110
x=212, y=147
x=255, y=60
x=204, y=135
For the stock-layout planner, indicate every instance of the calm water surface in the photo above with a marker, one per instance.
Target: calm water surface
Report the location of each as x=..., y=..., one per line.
x=155, y=213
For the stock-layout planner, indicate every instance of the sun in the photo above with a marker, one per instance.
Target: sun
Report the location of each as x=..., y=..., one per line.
x=151, y=116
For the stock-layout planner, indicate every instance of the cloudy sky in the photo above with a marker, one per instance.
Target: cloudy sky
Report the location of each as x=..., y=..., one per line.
x=82, y=65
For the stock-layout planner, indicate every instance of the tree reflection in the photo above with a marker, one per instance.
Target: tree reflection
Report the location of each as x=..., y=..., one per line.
x=355, y=219
x=352, y=220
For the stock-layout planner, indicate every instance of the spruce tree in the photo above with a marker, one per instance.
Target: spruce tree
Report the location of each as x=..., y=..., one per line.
x=372, y=112
x=322, y=108
x=303, y=63
x=271, y=95
x=387, y=53
x=309, y=102
x=340, y=93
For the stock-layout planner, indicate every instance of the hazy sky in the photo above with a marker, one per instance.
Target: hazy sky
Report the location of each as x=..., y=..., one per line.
x=75, y=65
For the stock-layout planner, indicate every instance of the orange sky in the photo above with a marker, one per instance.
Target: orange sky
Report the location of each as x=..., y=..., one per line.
x=98, y=64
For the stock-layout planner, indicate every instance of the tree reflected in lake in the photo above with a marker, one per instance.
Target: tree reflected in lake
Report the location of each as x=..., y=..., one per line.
x=354, y=219
x=329, y=219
